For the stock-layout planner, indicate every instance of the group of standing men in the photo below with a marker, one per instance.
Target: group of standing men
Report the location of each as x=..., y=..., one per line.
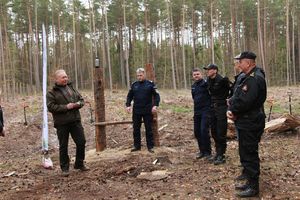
x=213, y=104
x=217, y=99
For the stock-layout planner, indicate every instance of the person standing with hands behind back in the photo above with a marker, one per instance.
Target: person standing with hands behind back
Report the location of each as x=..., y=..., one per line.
x=142, y=92
x=218, y=88
x=202, y=100
x=64, y=102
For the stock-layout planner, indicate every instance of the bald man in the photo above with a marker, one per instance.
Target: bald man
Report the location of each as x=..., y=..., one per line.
x=64, y=102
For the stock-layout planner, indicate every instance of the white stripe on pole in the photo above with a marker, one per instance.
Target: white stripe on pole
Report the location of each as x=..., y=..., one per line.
x=45, y=116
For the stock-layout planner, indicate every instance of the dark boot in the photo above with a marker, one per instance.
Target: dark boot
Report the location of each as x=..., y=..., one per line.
x=242, y=186
x=252, y=189
x=135, y=149
x=220, y=159
x=241, y=177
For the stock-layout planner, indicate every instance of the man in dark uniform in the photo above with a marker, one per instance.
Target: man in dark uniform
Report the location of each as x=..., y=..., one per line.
x=218, y=88
x=202, y=103
x=64, y=102
x=142, y=93
x=246, y=109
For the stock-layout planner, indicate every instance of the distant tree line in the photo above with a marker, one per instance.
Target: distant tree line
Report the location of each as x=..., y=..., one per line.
x=174, y=35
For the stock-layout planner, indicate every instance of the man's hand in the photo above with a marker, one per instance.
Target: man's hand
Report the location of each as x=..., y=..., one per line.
x=71, y=106
x=154, y=109
x=230, y=115
x=128, y=109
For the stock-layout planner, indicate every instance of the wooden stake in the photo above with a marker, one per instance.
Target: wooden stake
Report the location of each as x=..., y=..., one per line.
x=151, y=76
x=99, y=106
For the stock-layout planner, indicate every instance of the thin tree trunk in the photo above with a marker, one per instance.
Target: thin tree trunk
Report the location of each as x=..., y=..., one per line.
x=194, y=37
x=126, y=49
x=171, y=47
x=183, y=50
x=108, y=51
x=293, y=45
x=260, y=39
x=36, y=51
x=3, y=65
x=287, y=44
x=74, y=46
x=233, y=29
x=212, y=33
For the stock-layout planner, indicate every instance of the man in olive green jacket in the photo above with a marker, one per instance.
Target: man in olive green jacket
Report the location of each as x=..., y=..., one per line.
x=64, y=102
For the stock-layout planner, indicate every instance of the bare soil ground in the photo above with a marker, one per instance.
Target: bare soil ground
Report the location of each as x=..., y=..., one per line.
x=116, y=173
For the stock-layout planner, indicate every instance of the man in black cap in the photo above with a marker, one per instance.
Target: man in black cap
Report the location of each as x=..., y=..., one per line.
x=218, y=88
x=246, y=109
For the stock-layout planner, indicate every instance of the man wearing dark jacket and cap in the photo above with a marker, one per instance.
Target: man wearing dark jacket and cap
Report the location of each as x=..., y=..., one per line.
x=246, y=109
x=64, y=102
x=218, y=88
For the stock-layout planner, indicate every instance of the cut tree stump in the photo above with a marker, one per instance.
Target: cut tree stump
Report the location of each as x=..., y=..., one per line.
x=284, y=123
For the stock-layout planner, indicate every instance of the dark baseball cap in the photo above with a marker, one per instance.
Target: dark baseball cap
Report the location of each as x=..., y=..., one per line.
x=211, y=66
x=245, y=54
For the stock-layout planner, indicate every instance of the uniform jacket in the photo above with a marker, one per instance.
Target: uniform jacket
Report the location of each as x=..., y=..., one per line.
x=248, y=99
x=218, y=88
x=57, y=100
x=142, y=92
x=200, y=96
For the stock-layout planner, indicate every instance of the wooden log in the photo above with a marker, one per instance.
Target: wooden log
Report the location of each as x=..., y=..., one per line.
x=151, y=76
x=100, y=135
x=112, y=123
x=284, y=123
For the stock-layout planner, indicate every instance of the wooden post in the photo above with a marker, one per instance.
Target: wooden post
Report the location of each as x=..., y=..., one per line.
x=151, y=76
x=99, y=106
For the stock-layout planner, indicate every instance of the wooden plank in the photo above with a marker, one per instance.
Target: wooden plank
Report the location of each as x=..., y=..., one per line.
x=112, y=123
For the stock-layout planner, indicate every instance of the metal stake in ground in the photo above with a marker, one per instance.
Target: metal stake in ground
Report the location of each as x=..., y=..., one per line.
x=151, y=76
x=99, y=106
x=290, y=101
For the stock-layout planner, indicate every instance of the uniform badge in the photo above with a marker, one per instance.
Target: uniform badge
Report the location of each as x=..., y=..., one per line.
x=245, y=88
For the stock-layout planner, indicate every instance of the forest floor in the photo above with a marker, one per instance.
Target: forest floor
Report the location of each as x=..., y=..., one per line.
x=172, y=172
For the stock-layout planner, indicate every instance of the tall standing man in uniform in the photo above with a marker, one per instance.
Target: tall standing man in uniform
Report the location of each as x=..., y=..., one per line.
x=64, y=102
x=201, y=99
x=142, y=93
x=246, y=109
x=218, y=88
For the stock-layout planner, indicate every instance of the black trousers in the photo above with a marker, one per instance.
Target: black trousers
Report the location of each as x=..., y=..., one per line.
x=137, y=122
x=77, y=134
x=219, y=128
x=201, y=131
x=248, y=151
